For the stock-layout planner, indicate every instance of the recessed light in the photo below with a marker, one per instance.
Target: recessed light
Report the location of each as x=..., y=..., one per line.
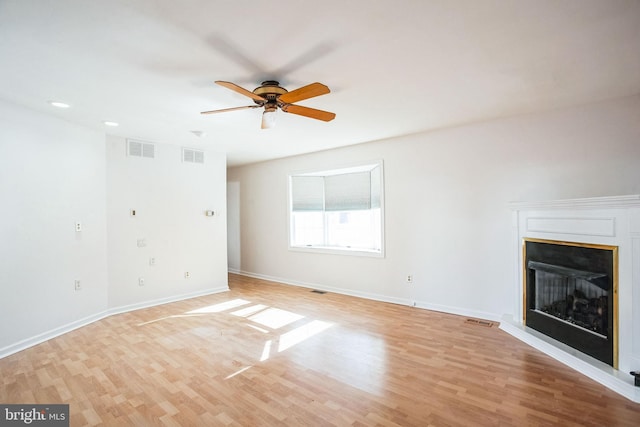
x=107, y=123
x=199, y=133
x=59, y=104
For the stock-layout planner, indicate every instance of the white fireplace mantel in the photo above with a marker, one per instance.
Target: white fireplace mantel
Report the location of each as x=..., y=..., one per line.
x=613, y=221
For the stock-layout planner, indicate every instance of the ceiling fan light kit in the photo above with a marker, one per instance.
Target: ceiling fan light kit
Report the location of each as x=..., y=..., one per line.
x=269, y=117
x=271, y=96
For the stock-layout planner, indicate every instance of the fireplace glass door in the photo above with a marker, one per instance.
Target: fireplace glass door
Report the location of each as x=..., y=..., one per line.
x=577, y=297
x=570, y=295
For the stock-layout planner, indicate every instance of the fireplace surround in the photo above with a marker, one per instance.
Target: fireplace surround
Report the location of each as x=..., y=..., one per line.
x=608, y=223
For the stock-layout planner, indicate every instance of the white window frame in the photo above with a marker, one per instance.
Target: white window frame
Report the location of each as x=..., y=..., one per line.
x=355, y=167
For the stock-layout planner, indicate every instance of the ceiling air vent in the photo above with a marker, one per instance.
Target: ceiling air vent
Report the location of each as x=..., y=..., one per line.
x=190, y=155
x=141, y=149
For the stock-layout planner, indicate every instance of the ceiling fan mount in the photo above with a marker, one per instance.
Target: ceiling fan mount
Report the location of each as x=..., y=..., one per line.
x=271, y=96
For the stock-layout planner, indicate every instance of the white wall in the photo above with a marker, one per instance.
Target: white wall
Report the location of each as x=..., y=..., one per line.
x=448, y=221
x=170, y=198
x=52, y=174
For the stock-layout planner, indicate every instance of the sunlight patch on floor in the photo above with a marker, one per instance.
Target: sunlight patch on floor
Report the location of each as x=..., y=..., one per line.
x=302, y=333
x=258, y=328
x=238, y=372
x=217, y=308
x=248, y=311
x=266, y=320
x=175, y=316
x=266, y=351
x=275, y=318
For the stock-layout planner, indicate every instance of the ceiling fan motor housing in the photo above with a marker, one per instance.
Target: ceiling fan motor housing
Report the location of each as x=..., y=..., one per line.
x=270, y=90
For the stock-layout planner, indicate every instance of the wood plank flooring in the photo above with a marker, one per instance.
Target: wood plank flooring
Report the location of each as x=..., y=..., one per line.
x=266, y=354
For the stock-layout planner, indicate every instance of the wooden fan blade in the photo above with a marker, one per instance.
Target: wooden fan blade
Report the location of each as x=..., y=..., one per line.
x=242, y=91
x=224, y=110
x=305, y=92
x=309, y=112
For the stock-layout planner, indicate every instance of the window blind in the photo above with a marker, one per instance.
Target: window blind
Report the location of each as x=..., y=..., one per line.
x=307, y=193
x=349, y=191
x=337, y=192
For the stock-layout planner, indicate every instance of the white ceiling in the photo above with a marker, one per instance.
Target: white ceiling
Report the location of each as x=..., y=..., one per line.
x=394, y=67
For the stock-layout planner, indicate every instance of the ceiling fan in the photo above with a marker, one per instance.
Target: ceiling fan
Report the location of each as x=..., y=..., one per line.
x=272, y=96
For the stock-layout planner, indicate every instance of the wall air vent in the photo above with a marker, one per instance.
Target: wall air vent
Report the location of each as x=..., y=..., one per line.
x=141, y=149
x=190, y=155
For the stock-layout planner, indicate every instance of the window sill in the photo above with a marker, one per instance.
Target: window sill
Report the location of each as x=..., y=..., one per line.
x=338, y=251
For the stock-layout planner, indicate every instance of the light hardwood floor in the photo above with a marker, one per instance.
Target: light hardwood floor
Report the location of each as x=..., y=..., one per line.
x=271, y=354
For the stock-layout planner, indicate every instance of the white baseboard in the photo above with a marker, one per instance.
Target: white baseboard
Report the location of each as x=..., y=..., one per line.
x=167, y=300
x=376, y=297
x=320, y=287
x=45, y=336
x=61, y=330
x=458, y=311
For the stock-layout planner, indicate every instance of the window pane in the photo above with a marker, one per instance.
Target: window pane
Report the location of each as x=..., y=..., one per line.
x=307, y=228
x=354, y=229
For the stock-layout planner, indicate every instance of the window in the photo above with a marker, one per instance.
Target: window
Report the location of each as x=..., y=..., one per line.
x=337, y=210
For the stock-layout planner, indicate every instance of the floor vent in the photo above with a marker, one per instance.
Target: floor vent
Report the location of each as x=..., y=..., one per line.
x=479, y=322
x=316, y=291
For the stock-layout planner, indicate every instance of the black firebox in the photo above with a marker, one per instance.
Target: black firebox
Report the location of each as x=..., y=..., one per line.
x=570, y=292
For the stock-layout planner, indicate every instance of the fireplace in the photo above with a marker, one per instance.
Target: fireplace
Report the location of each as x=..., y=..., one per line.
x=570, y=292
x=604, y=236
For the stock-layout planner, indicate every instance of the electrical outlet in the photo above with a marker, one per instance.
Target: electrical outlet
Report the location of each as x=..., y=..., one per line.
x=77, y=285
x=78, y=226
x=152, y=261
x=140, y=281
x=187, y=275
x=409, y=278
